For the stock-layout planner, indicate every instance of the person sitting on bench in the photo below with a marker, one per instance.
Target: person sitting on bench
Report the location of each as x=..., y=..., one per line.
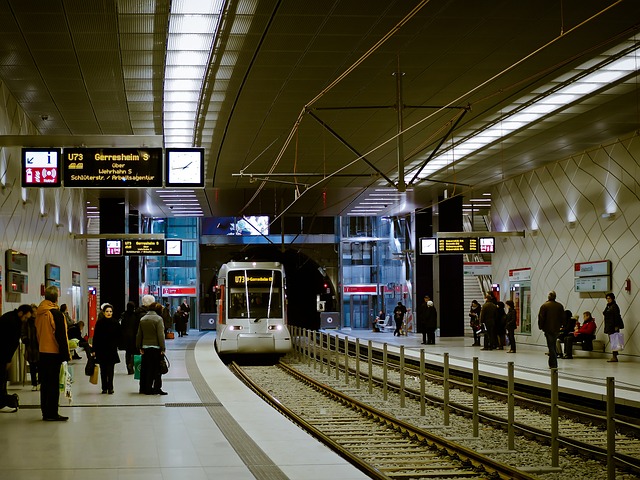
x=582, y=333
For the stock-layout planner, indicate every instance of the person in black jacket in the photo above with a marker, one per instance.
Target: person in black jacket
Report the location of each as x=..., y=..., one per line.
x=10, y=332
x=474, y=322
x=510, y=324
x=129, y=324
x=612, y=320
x=106, y=338
x=398, y=316
x=431, y=323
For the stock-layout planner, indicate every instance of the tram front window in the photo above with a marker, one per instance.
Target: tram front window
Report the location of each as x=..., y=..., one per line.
x=255, y=294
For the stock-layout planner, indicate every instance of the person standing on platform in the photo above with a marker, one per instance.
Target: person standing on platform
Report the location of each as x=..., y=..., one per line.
x=488, y=321
x=550, y=318
x=150, y=342
x=501, y=317
x=67, y=317
x=431, y=323
x=510, y=324
x=179, y=321
x=106, y=338
x=398, y=317
x=129, y=322
x=30, y=341
x=474, y=322
x=423, y=313
x=166, y=318
x=184, y=306
x=11, y=325
x=54, y=349
x=612, y=321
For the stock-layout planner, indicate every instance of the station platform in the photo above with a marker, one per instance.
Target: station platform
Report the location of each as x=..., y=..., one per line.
x=209, y=426
x=584, y=376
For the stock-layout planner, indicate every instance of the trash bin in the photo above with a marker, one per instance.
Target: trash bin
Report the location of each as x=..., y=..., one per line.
x=208, y=321
x=329, y=320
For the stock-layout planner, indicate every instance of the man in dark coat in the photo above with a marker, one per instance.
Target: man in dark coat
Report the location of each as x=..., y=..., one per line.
x=10, y=332
x=422, y=313
x=488, y=319
x=431, y=323
x=550, y=320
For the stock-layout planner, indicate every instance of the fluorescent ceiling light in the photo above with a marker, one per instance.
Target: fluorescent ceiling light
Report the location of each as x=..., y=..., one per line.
x=576, y=83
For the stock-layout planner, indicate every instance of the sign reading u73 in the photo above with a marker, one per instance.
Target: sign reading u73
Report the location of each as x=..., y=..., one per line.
x=112, y=167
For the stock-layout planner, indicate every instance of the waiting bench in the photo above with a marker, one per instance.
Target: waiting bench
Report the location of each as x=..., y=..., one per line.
x=590, y=345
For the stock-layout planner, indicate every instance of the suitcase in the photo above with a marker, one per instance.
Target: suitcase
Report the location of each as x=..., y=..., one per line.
x=169, y=336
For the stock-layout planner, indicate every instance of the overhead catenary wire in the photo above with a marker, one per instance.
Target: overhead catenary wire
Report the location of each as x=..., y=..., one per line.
x=455, y=101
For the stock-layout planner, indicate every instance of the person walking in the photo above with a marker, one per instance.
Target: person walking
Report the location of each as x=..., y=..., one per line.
x=550, y=318
x=106, y=338
x=11, y=325
x=612, y=321
x=398, y=317
x=150, y=342
x=54, y=349
x=510, y=324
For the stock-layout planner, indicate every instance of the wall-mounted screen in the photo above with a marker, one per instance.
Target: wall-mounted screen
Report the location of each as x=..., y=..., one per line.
x=17, y=282
x=52, y=272
x=253, y=225
x=41, y=167
x=16, y=261
x=113, y=248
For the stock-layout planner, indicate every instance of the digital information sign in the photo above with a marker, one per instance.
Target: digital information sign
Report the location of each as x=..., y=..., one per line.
x=461, y=245
x=112, y=167
x=40, y=167
x=143, y=247
x=458, y=245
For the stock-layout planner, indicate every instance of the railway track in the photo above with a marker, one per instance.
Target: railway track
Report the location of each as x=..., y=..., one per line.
x=380, y=444
x=582, y=433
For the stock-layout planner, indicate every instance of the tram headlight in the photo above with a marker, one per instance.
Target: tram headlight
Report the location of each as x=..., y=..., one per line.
x=235, y=327
x=275, y=327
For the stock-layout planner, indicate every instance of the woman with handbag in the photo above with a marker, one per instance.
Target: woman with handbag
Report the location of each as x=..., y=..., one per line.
x=150, y=342
x=106, y=338
x=612, y=324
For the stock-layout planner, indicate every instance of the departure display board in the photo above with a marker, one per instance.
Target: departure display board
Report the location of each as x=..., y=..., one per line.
x=458, y=245
x=112, y=167
x=143, y=247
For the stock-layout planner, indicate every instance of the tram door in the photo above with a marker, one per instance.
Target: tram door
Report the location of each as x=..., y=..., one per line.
x=360, y=312
x=521, y=297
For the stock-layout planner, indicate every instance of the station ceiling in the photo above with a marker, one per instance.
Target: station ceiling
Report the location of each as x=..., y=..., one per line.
x=298, y=101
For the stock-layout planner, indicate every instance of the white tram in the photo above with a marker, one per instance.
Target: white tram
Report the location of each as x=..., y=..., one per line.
x=252, y=313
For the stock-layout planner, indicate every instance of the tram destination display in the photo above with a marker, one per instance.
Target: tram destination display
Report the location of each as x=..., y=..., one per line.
x=112, y=167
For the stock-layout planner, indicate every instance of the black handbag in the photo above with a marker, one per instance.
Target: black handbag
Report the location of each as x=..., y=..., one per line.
x=164, y=364
x=91, y=365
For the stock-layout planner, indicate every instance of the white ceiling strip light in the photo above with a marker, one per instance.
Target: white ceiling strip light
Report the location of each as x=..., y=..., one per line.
x=516, y=118
x=192, y=27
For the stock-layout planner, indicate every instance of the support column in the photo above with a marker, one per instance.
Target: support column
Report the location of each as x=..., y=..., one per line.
x=424, y=263
x=451, y=313
x=112, y=269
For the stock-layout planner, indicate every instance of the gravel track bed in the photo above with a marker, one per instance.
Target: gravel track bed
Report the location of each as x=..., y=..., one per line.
x=491, y=441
